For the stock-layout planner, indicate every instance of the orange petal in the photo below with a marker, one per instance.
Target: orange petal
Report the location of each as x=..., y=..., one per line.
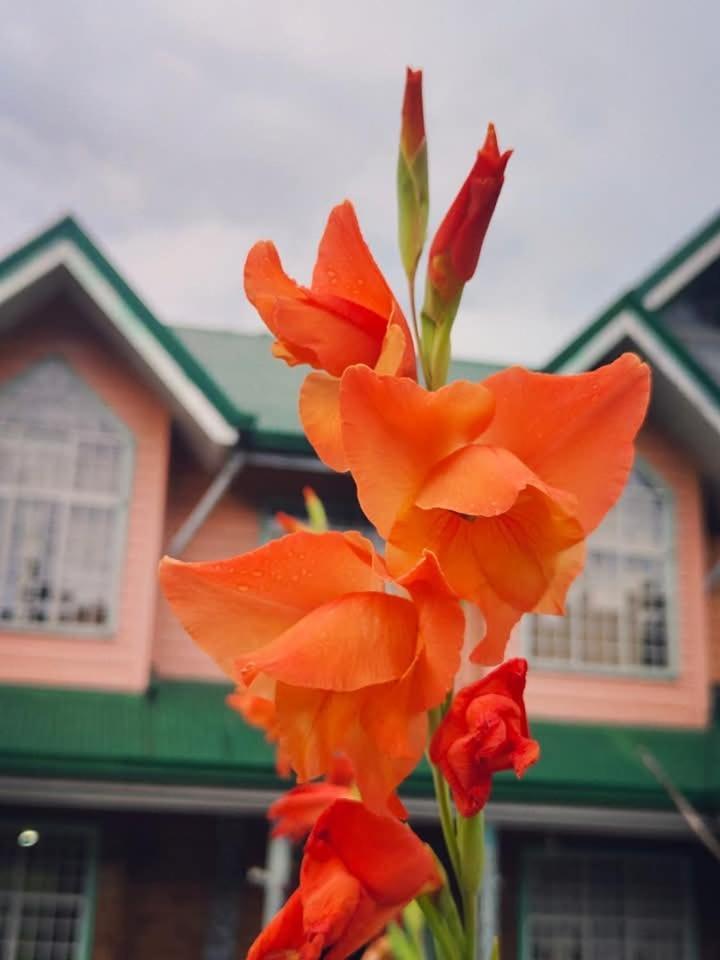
x=233, y=606
x=330, y=896
x=284, y=935
x=386, y=857
x=266, y=281
x=500, y=620
x=514, y=554
x=480, y=480
x=346, y=268
x=568, y=565
x=356, y=641
x=576, y=432
x=331, y=339
x=320, y=415
x=440, y=634
x=315, y=725
x=394, y=431
x=397, y=356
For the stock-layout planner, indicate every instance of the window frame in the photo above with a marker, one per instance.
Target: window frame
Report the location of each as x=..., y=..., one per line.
x=670, y=670
x=590, y=853
x=85, y=942
x=77, y=630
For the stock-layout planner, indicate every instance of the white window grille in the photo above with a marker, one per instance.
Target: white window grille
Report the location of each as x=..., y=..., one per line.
x=594, y=906
x=65, y=470
x=617, y=610
x=46, y=896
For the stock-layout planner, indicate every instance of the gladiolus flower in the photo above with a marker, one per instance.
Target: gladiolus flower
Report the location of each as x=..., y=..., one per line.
x=358, y=871
x=348, y=315
x=296, y=811
x=484, y=731
x=502, y=481
x=304, y=621
x=412, y=175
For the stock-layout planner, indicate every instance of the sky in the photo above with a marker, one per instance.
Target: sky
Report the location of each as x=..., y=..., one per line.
x=180, y=132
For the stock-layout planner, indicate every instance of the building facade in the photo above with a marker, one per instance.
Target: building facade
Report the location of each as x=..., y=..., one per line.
x=132, y=799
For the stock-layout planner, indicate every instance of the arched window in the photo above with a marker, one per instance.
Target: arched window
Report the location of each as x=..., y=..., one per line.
x=617, y=610
x=65, y=472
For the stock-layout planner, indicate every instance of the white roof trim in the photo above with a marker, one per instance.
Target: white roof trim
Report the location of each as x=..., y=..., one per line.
x=64, y=253
x=682, y=275
x=627, y=324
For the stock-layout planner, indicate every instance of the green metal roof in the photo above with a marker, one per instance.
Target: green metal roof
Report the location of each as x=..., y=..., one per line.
x=182, y=732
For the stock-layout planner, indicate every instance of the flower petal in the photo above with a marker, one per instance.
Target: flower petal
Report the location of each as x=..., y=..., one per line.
x=394, y=431
x=356, y=641
x=390, y=862
x=314, y=725
x=233, y=606
x=576, y=432
x=440, y=635
x=266, y=281
x=284, y=935
x=322, y=332
x=320, y=415
x=330, y=895
x=346, y=268
x=480, y=480
x=514, y=554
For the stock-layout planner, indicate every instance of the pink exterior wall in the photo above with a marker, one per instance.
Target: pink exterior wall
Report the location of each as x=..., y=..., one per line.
x=713, y=600
x=122, y=660
x=682, y=701
x=232, y=527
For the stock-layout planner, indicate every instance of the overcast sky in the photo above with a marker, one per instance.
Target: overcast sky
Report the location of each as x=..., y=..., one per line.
x=180, y=132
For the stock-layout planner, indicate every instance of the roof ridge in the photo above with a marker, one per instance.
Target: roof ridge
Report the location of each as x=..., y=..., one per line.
x=69, y=228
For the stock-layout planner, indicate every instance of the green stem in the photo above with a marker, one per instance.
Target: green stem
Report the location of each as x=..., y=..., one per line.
x=445, y=944
x=416, y=328
x=442, y=795
x=449, y=910
x=469, y=899
x=471, y=843
x=446, y=818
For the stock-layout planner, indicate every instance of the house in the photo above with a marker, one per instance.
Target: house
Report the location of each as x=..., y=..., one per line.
x=132, y=800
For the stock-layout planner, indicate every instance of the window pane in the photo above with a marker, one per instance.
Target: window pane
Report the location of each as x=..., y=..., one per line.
x=617, y=609
x=590, y=906
x=44, y=895
x=27, y=588
x=88, y=565
x=64, y=478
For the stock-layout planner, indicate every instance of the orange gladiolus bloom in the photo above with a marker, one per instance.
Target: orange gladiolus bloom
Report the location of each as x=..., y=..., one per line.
x=348, y=315
x=484, y=731
x=304, y=621
x=358, y=871
x=502, y=481
x=296, y=811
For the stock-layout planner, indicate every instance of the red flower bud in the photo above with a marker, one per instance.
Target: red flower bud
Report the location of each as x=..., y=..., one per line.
x=412, y=134
x=456, y=248
x=484, y=731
